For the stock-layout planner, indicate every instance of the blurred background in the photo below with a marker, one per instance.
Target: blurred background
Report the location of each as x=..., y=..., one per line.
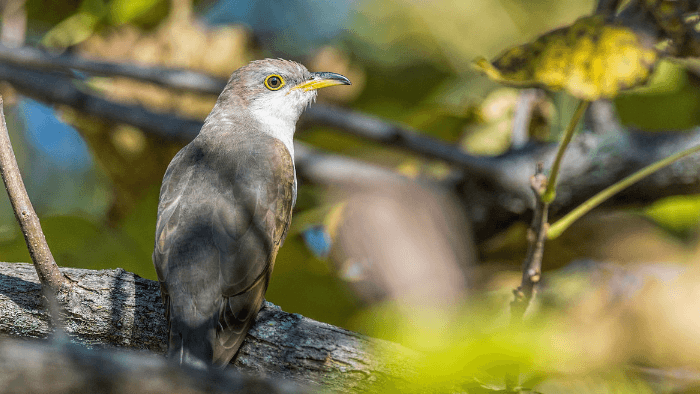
x=365, y=257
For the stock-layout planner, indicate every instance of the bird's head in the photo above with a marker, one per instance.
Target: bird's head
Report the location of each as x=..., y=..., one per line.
x=282, y=87
x=274, y=92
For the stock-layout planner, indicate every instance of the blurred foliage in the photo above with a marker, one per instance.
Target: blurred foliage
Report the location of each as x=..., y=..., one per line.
x=578, y=342
x=675, y=23
x=409, y=63
x=670, y=92
x=678, y=214
x=90, y=16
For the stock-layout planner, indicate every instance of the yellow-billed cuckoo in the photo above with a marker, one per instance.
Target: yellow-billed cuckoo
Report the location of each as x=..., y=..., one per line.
x=225, y=206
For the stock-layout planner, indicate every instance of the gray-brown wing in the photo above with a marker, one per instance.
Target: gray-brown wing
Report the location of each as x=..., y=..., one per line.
x=217, y=237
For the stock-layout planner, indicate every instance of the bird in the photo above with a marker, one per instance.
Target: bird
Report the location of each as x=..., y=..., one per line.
x=225, y=207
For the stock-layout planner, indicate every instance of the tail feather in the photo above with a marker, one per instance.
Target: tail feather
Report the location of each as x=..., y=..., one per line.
x=236, y=317
x=192, y=346
x=216, y=340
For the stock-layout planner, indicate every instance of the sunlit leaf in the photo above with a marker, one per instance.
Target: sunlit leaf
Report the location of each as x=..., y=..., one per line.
x=590, y=59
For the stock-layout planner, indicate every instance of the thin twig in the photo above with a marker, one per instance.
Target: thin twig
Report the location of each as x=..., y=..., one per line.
x=537, y=234
x=39, y=250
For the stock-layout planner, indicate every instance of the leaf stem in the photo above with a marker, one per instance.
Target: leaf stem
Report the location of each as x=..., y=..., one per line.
x=550, y=192
x=562, y=224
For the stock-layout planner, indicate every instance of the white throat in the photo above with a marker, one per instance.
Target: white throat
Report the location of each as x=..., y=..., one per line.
x=282, y=129
x=277, y=116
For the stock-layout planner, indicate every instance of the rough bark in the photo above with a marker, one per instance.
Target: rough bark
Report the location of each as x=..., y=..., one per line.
x=115, y=308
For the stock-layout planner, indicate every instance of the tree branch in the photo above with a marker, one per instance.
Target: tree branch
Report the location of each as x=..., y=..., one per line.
x=595, y=159
x=335, y=170
x=377, y=130
x=118, y=308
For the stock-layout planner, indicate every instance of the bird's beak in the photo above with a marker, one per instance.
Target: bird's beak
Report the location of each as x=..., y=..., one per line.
x=322, y=80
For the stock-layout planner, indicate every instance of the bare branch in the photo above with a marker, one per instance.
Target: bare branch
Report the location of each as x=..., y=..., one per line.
x=39, y=251
x=54, y=89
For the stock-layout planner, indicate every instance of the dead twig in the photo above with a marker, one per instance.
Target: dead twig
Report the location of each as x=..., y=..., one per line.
x=537, y=234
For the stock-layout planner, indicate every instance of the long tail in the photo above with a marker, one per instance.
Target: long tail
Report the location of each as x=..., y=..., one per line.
x=215, y=340
x=187, y=344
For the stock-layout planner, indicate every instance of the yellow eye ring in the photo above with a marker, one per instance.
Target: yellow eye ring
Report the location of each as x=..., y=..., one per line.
x=274, y=82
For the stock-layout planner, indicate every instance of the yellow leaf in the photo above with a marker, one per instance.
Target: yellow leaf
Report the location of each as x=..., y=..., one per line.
x=589, y=59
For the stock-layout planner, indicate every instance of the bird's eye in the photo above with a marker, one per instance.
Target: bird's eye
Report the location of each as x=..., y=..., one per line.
x=274, y=82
